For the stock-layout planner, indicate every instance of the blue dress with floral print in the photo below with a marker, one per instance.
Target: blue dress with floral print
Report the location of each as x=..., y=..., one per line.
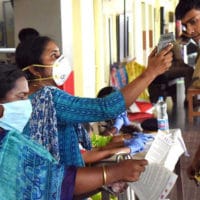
x=55, y=117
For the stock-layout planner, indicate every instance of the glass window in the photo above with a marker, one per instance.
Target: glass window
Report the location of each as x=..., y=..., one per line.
x=6, y=24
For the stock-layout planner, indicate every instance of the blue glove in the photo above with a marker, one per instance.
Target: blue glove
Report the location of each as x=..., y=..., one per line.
x=125, y=118
x=121, y=120
x=144, y=137
x=135, y=144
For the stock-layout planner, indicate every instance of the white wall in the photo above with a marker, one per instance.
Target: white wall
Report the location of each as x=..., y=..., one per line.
x=88, y=48
x=54, y=19
x=66, y=29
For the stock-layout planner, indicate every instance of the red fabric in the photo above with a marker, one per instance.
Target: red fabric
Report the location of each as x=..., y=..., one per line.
x=143, y=106
x=139, y=116
x=69, y=84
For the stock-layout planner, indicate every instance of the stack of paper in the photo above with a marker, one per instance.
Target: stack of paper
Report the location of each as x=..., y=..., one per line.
x=158, y=179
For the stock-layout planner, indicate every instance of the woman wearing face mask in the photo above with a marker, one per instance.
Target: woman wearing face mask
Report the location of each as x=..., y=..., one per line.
x=28, y=170
x=56, y=114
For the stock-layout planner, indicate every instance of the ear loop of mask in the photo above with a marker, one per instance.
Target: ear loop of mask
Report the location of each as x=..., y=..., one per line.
x=42, y=66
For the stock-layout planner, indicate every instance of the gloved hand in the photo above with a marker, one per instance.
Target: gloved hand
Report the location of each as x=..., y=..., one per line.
x=121, y=120
x=135, y=144
x=118, y=123
x=145, y=137
x=125, y=118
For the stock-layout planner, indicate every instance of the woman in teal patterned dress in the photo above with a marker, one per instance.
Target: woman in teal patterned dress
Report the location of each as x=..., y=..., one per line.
x=28, y=170
x=57, y=113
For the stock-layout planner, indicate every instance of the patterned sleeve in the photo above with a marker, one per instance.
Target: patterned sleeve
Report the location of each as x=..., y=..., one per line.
x=79, y=110
x=33, y=173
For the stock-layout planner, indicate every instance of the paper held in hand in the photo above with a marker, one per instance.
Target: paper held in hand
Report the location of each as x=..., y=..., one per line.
x=158, y=179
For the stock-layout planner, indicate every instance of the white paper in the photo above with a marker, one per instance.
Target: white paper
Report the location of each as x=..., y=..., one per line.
x=157, y=180
x=159, y=148
x=166, y=149
x=155, y=183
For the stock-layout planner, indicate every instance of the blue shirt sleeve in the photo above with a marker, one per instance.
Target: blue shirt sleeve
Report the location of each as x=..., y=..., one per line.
x=79, y=110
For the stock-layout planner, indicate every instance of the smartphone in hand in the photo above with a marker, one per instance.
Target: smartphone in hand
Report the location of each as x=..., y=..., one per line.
x=165, y=39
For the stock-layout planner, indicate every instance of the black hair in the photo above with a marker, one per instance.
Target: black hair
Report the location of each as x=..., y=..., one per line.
x=185, y=6
x=29, y=52
x=124, y=129
x=9, y=74
x=27, y=33
x=106, y=91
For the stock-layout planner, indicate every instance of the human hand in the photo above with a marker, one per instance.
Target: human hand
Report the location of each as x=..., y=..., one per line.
x=160, y=62
x=193, y=169
x=116, y=188
x=145, y=137
x=119, y=187
x=121, y=120
x=125, y=118
x=137, y=143
x=191, y=172
x=131, y=169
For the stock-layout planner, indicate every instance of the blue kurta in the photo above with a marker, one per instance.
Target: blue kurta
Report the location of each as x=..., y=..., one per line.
x=29, y=172
x=56, y=115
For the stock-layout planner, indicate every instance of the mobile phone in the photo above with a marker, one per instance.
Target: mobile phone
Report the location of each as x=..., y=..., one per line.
x=165, y=39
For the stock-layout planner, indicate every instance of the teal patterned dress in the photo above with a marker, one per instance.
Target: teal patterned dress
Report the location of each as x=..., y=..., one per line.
x=56, y=115
x=30, y=172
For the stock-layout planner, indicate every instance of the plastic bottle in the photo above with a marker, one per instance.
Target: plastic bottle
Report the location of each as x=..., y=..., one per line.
x=162, y=116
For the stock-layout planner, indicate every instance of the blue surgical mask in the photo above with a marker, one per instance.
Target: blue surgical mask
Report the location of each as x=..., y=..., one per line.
x=16, y=115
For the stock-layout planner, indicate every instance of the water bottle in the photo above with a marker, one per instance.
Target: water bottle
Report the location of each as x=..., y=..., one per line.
x=162, y=116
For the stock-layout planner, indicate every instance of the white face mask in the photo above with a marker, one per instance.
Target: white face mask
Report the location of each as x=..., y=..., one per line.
x=61, y=70
x=16, y=115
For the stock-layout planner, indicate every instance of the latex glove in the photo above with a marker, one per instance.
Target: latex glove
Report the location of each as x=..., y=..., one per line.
x=143, y=136
x=121, y=120
x=125, y=118
x=135, y=144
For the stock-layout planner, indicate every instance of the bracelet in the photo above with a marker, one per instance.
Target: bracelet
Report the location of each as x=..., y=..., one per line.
x=104, y=175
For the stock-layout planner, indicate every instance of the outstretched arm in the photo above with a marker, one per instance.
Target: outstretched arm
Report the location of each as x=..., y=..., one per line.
x=95, y=156
x=157, y=64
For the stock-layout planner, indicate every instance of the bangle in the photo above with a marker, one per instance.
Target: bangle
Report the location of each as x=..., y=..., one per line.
x=104, y=175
